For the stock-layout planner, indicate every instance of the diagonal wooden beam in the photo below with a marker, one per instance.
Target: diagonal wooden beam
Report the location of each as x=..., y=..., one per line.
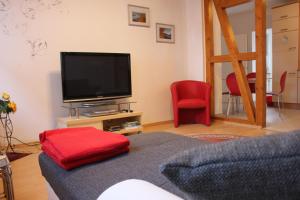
x=237, y=65
x=232, y=3
x=260, y=27
x=209, y=50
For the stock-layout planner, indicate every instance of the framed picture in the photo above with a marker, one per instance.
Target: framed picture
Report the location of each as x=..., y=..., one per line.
x=138, y=16
x=165, y=33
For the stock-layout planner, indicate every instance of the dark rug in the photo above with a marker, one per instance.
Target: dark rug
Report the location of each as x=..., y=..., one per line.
x=12, y=156
x=216, y=137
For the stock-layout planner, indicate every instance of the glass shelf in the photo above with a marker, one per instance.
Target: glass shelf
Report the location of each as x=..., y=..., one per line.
x=76, y=109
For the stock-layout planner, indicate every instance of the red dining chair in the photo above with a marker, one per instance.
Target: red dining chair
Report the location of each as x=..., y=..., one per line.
x=234, y=91
x=279, y=95
x=191, y=102
x=252, y=75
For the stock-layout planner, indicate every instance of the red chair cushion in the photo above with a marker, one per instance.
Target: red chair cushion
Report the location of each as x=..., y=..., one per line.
x=191, y=103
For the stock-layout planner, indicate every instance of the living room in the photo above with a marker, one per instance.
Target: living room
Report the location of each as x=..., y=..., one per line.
x=35, y=32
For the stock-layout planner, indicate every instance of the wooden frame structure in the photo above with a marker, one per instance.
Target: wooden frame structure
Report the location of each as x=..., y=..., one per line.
x=256, y=114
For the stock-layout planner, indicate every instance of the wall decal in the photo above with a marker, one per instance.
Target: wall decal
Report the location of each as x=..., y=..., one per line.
x=37, y=46
x=56, y=2
x=13, y=28
x=29, y=12
x=5, y=29
x=31, y=8
x=4, y=8
x=16, y=17
x=4, y=5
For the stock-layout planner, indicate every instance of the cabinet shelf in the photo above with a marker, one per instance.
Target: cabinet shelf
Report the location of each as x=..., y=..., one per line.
x=103, y=122
x=131, y=130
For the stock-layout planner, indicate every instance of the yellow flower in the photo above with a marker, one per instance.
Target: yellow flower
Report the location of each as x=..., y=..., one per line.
x=13, y=106
x=5, y=96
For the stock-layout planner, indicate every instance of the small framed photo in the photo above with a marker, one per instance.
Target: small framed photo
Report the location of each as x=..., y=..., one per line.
x=138, y=16
x=165, y=33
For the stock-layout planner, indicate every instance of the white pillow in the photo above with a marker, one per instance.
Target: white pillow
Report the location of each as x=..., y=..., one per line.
x=136, y=190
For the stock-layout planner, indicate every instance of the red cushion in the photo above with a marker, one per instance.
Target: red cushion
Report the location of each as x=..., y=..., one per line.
x=72, y=147
x=191, y=103
x=83, y=161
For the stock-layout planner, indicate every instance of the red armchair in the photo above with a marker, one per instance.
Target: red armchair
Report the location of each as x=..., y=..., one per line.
x=191, y=102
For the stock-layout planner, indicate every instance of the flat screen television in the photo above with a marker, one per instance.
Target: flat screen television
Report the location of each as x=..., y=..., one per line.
x=95, y=76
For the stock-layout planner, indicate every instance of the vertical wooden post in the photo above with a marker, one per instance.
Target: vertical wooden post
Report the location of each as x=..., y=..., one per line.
x=260, y=26
x=209, y=50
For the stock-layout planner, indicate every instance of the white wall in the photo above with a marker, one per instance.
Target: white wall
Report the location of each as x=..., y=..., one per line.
x=195, y=34
x=32, y=76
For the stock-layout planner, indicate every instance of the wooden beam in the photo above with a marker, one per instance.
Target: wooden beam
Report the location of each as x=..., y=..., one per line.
x=228, y=58
x=221, y=59
x=209, y=49
x=237, y=65
x=232, y=3
x=247, y=56
x=260, y=26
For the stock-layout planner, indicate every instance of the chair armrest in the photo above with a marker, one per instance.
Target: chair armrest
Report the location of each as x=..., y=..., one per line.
x=136, y=190
x=207, y=93
x=174, y=93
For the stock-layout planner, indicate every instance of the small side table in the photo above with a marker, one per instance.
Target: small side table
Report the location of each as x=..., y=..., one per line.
x=5, y=174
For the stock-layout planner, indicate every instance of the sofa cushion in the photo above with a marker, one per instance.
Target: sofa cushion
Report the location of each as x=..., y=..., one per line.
x=191, y=103
x=250, y=168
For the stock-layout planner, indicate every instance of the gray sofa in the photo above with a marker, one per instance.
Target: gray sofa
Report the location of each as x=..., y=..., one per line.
x=147, y=152
x=250, y=168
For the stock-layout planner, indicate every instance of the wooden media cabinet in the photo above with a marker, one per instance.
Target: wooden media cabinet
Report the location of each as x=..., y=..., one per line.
x=104, y=122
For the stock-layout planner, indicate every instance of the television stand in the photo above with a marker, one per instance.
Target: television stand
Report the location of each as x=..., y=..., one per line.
x=106, y=122
x=98, y=103
x=76, y=110
x=100, y=113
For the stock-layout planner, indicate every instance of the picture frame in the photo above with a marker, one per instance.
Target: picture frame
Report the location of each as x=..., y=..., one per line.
x=165, y=33
x=138, y=16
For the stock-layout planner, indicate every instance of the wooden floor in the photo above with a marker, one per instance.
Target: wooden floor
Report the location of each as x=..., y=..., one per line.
x=29, y=184
x=218, y=127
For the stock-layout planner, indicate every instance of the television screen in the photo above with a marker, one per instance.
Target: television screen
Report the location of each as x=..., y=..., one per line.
x=95, y=76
